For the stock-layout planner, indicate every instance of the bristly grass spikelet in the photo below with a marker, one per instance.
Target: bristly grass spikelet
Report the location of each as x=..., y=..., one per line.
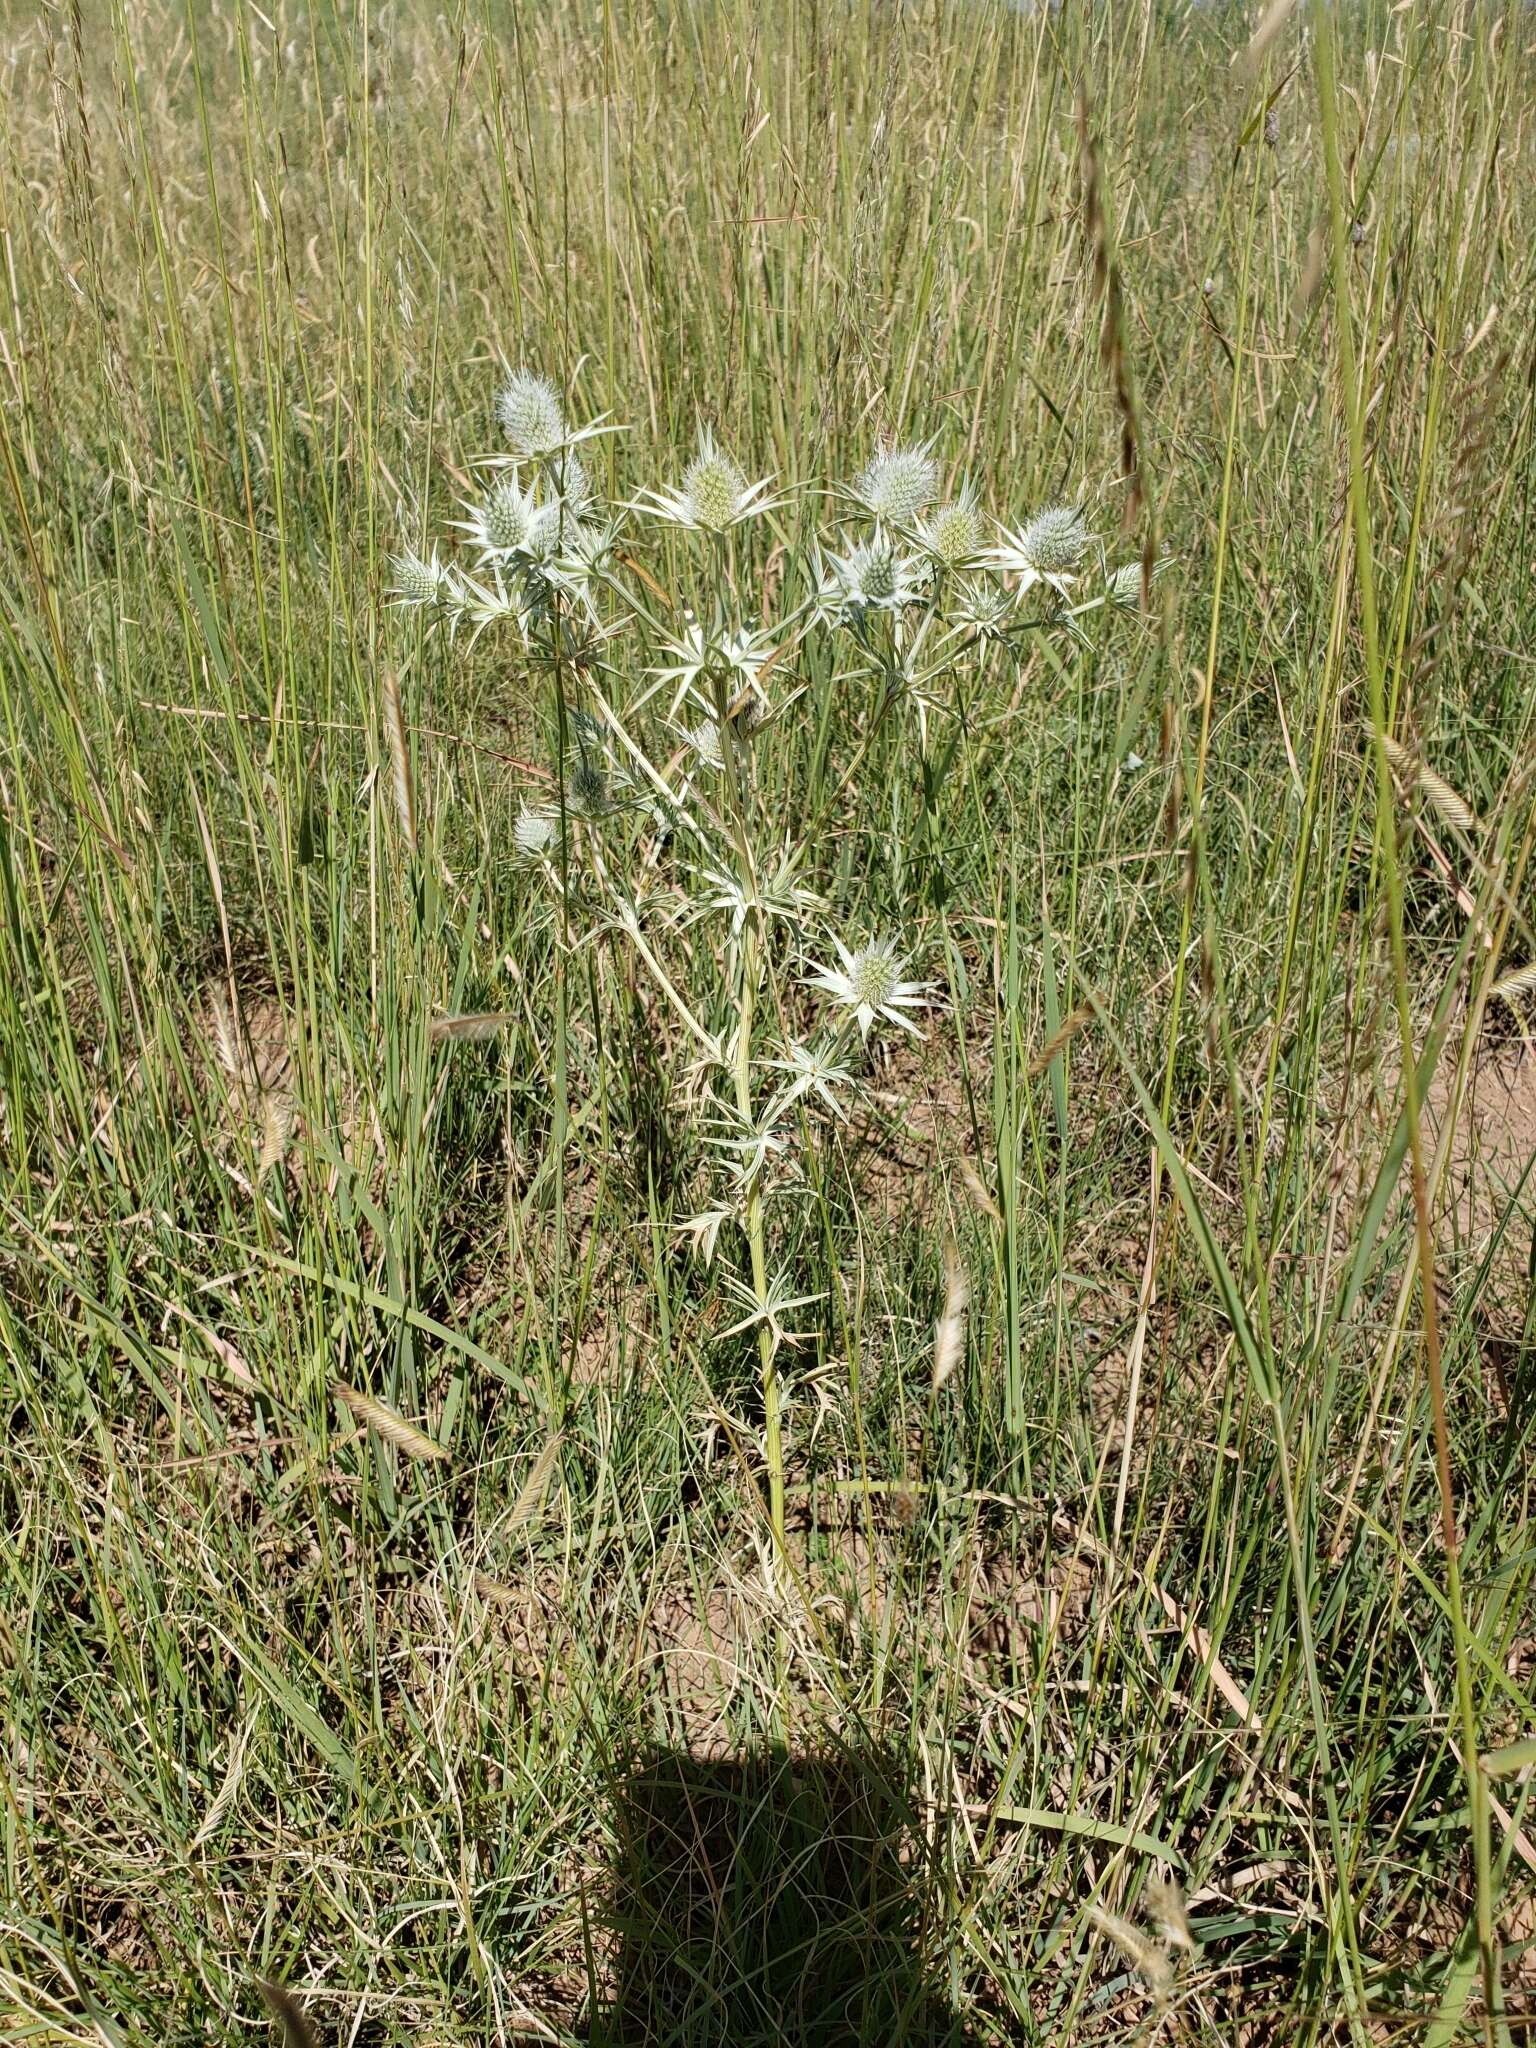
x=1058, y=1041
x=1520, y=981
x=399, y=758
x=949, y=1330
x=472, y=1025
x=382, y=1419
x=289, y=2014
x=530, y=1495
x=1450, y=805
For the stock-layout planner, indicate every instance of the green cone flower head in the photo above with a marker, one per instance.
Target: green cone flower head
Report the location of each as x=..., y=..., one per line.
x=1049, y=549
x=712, y=485
x=506, y=519
x=869, y=983
x=952, y=535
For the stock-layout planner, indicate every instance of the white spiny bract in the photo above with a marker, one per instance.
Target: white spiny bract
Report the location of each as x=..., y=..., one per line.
x=1049, y=549
x=736, y=656
x=775, y=892
x=812, y=1070
x=869, y=984
x=874, y=576
x=768, y=1312
x=898, y=486
x=982, y=609
x=531, y=415
x=714, y=494
x=534, y=832
x=482, y=602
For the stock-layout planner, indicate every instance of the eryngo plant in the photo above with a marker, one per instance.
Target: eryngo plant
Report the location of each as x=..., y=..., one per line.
x=662, y=705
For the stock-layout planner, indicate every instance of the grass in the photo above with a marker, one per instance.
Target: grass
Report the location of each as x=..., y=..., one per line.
x=413, y=1595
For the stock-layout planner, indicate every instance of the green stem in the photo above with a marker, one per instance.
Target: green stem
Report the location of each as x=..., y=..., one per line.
x=767, y=1355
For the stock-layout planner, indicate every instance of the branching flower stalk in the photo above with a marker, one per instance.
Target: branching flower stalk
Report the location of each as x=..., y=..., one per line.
x=658, y=822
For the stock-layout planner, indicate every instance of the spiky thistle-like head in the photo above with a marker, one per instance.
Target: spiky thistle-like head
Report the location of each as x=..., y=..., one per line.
x=586, y=787
x=899, y=484
x=1049, y=548
x=506, y=518
x=873, y=576
x=713, y=485
x=952, y=534
x=419, y=579
x=532, y=417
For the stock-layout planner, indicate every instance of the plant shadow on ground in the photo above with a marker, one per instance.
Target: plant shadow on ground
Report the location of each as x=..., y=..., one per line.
x=774, y=1899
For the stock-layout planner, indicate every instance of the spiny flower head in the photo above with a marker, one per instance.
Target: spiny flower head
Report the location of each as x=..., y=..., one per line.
x=873, y=576
x=898, y=485
x=506, y=521
x=532, y=417
x=420, y=579
x=570, y=483
x=952, y=535
x=714, y=494
x=714, y=486
x=1125, y=585
x=586, y=787
x=869, y=983
x=1049, y=549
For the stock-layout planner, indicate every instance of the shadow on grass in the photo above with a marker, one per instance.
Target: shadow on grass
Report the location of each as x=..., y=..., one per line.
x=778, y=1900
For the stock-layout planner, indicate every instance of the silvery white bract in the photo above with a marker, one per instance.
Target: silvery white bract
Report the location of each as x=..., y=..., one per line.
x=869, y=984
x=1049, y=549
x=714, y=494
